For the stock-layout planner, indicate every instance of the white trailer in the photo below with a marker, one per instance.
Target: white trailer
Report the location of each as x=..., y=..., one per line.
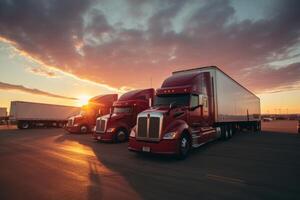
x=30, y=114
x=232, y=102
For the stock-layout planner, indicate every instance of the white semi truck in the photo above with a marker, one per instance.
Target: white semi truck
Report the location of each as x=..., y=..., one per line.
x=30, y=114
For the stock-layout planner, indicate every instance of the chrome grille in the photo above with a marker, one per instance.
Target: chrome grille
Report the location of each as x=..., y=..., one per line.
x=70, y=122
x=149, y=127
x=100, y=125
x=154, y=127
x=142, y=126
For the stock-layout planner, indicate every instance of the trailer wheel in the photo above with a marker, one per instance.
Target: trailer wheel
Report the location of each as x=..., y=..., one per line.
x=258, y=127
x=60, y=125
x=84, y=129
x=184, y=147
x=24, y=125
x=120, y=136
x=230, y=131
x=225, y=133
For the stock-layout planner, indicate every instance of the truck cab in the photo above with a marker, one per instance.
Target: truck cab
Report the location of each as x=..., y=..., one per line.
x=85, y=120
x=116, y=126
x=180, y=111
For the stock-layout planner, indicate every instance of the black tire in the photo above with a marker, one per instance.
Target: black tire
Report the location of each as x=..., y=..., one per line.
x=225, y=133
x=230, y=131
x=23, y=125
x=234, y=129
x=259, y=127
x=184, y=147
x=120, y=136
x=84, y=129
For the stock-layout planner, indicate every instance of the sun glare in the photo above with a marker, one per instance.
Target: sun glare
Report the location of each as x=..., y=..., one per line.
x=83, y=100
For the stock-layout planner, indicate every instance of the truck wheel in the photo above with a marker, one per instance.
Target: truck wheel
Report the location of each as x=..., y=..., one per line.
x=230, y=131
x=120, y=136
x=225, y=133
x=184, y=147
x=25, y=125
x=258, y=127
x=84, y=129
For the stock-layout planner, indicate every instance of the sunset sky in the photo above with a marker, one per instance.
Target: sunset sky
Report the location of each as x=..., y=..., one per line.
x=56, y=51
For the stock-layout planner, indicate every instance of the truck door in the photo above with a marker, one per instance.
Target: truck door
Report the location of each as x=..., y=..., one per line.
x=195, y=119
x=195, y=112
x=207, y=134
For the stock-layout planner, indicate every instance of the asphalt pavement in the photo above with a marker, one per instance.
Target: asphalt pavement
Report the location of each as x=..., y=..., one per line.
x=52, y=164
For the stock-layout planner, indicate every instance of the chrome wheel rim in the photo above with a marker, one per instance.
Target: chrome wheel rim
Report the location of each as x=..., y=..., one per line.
x=226, y=133
x=25, y=125
x=121, y=136
x=183, y=142
x=184, y=145
x=83, y=129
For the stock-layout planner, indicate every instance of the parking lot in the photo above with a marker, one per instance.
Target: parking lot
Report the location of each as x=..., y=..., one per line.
x=52, y=164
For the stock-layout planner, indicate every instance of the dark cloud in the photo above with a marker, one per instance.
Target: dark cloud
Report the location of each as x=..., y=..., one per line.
x=77, y=36
x=7, y=86
x=270, y=77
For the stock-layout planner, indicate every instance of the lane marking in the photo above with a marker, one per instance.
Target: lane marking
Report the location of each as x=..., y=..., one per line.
x=225, y=179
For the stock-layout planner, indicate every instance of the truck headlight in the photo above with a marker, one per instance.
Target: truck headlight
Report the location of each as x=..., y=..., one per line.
x=110, y=130
x=132, y=132
x=170, y=135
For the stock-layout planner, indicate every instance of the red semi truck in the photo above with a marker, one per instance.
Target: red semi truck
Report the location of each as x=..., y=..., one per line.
x=191, y=108
x=86, y=119
x=116, y=126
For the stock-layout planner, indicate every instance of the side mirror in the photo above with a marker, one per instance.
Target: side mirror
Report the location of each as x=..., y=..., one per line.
x=201, y=99
x=194, y=107
x=150, y=102
x=199, y=103
x=173, y=105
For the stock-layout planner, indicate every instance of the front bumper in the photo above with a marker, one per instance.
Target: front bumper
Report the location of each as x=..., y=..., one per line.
x=73, y=129
x=161, y=147
x=103, y=136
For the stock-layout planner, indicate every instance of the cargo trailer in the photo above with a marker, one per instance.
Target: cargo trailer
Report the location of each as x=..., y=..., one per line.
x=31, y=114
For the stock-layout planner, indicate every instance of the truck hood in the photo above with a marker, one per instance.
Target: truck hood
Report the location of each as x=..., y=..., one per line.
x=114, y=116
x=76, y=117
x=164, y=110
x=170, y=118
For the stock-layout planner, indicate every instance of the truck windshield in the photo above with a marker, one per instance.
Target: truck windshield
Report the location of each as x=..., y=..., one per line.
x=167, y=99
x=122, y=109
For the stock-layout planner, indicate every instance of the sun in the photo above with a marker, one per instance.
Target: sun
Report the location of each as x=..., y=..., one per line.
x=83, y=100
